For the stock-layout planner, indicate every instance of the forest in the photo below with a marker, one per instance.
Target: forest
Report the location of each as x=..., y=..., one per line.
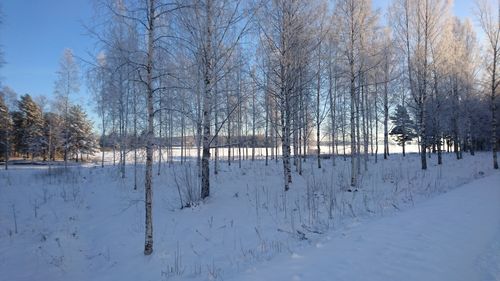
x=193, y=93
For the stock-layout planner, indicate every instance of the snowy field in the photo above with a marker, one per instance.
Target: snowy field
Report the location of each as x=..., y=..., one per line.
x=87, y=223
x=260, y=153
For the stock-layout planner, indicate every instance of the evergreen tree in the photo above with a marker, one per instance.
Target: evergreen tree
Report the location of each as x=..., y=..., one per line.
x=17, y=132
x=32, y=137
x=404, y=127
x=81, y=139
x=5, y=131
x=53, y=126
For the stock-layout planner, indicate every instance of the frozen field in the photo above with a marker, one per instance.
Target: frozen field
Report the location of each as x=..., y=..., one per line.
x=87, y=223
x=260, y=153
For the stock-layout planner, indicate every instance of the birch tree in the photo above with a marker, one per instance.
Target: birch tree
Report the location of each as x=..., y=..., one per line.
x=286, y=32
x=214, y=29
x=152, y=18
x=418, y=24
x=67, y=84
x=355, y=20
x=488, y=16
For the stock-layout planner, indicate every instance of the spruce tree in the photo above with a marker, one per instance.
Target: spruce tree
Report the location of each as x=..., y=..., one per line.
x=404, y=127
x=32, y=137
x=5, y=131
x=17, y=132
x=81, y=139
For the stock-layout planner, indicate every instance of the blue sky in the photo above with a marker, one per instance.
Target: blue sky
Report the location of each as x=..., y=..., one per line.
x=461, y=8
x=34, y=34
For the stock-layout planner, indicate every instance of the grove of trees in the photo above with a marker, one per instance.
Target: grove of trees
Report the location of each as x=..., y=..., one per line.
x=48, y=129
x=286, y=80
x=28, y=132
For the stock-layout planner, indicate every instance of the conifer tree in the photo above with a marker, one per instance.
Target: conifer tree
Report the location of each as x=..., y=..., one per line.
x=5, y=129
x=81, y=140
x=404, y=128
x=31, y=134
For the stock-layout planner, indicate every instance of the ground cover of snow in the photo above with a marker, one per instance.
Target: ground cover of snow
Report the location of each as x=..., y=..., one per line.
x=86, y=223
x=192, y=152
x=454, y=236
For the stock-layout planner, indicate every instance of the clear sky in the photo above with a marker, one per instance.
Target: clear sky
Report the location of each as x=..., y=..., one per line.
x=461, y=8
x=34, y=34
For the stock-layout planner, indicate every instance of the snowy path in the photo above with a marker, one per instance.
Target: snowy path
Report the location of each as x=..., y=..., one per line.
x=455, y=236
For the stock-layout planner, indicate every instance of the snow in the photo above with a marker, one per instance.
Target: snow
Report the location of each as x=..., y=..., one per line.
x=260, y=152
x=441, y=239
x=87, y=223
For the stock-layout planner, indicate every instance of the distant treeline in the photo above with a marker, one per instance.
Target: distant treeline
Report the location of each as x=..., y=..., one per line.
x=29, y=132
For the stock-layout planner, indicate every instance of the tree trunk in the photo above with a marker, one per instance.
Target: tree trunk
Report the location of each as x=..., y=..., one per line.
x=266, y=130
x=364, y=112
x=103, y=138
x=207, y=99
x=148, y=188
x=254, y=142
x=216, y=125
x=376, y=123
x=135, y=141
x=318, y=115
x=228, y=103
x=7, y=147
x=160, y=156
x=333, y=102
x=494, y=141
x=386, y=118
x=353, y=129
x=440, y=157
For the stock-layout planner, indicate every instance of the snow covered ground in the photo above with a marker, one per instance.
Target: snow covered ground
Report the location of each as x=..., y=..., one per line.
x=455, y=236
x=86, y=223
x=260, y=152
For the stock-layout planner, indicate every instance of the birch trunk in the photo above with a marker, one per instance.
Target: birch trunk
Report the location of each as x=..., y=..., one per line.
x=148, y=188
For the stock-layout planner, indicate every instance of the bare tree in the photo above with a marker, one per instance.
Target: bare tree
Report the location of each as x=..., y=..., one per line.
x=418, y=25
x=355, y=20
x=67, y=83
x=489, y=19
x=214, y=29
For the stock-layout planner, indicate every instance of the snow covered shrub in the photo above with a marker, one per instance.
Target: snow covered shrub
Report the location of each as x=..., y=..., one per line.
x=314, y=185
x=176, y=268
x=187, y=183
